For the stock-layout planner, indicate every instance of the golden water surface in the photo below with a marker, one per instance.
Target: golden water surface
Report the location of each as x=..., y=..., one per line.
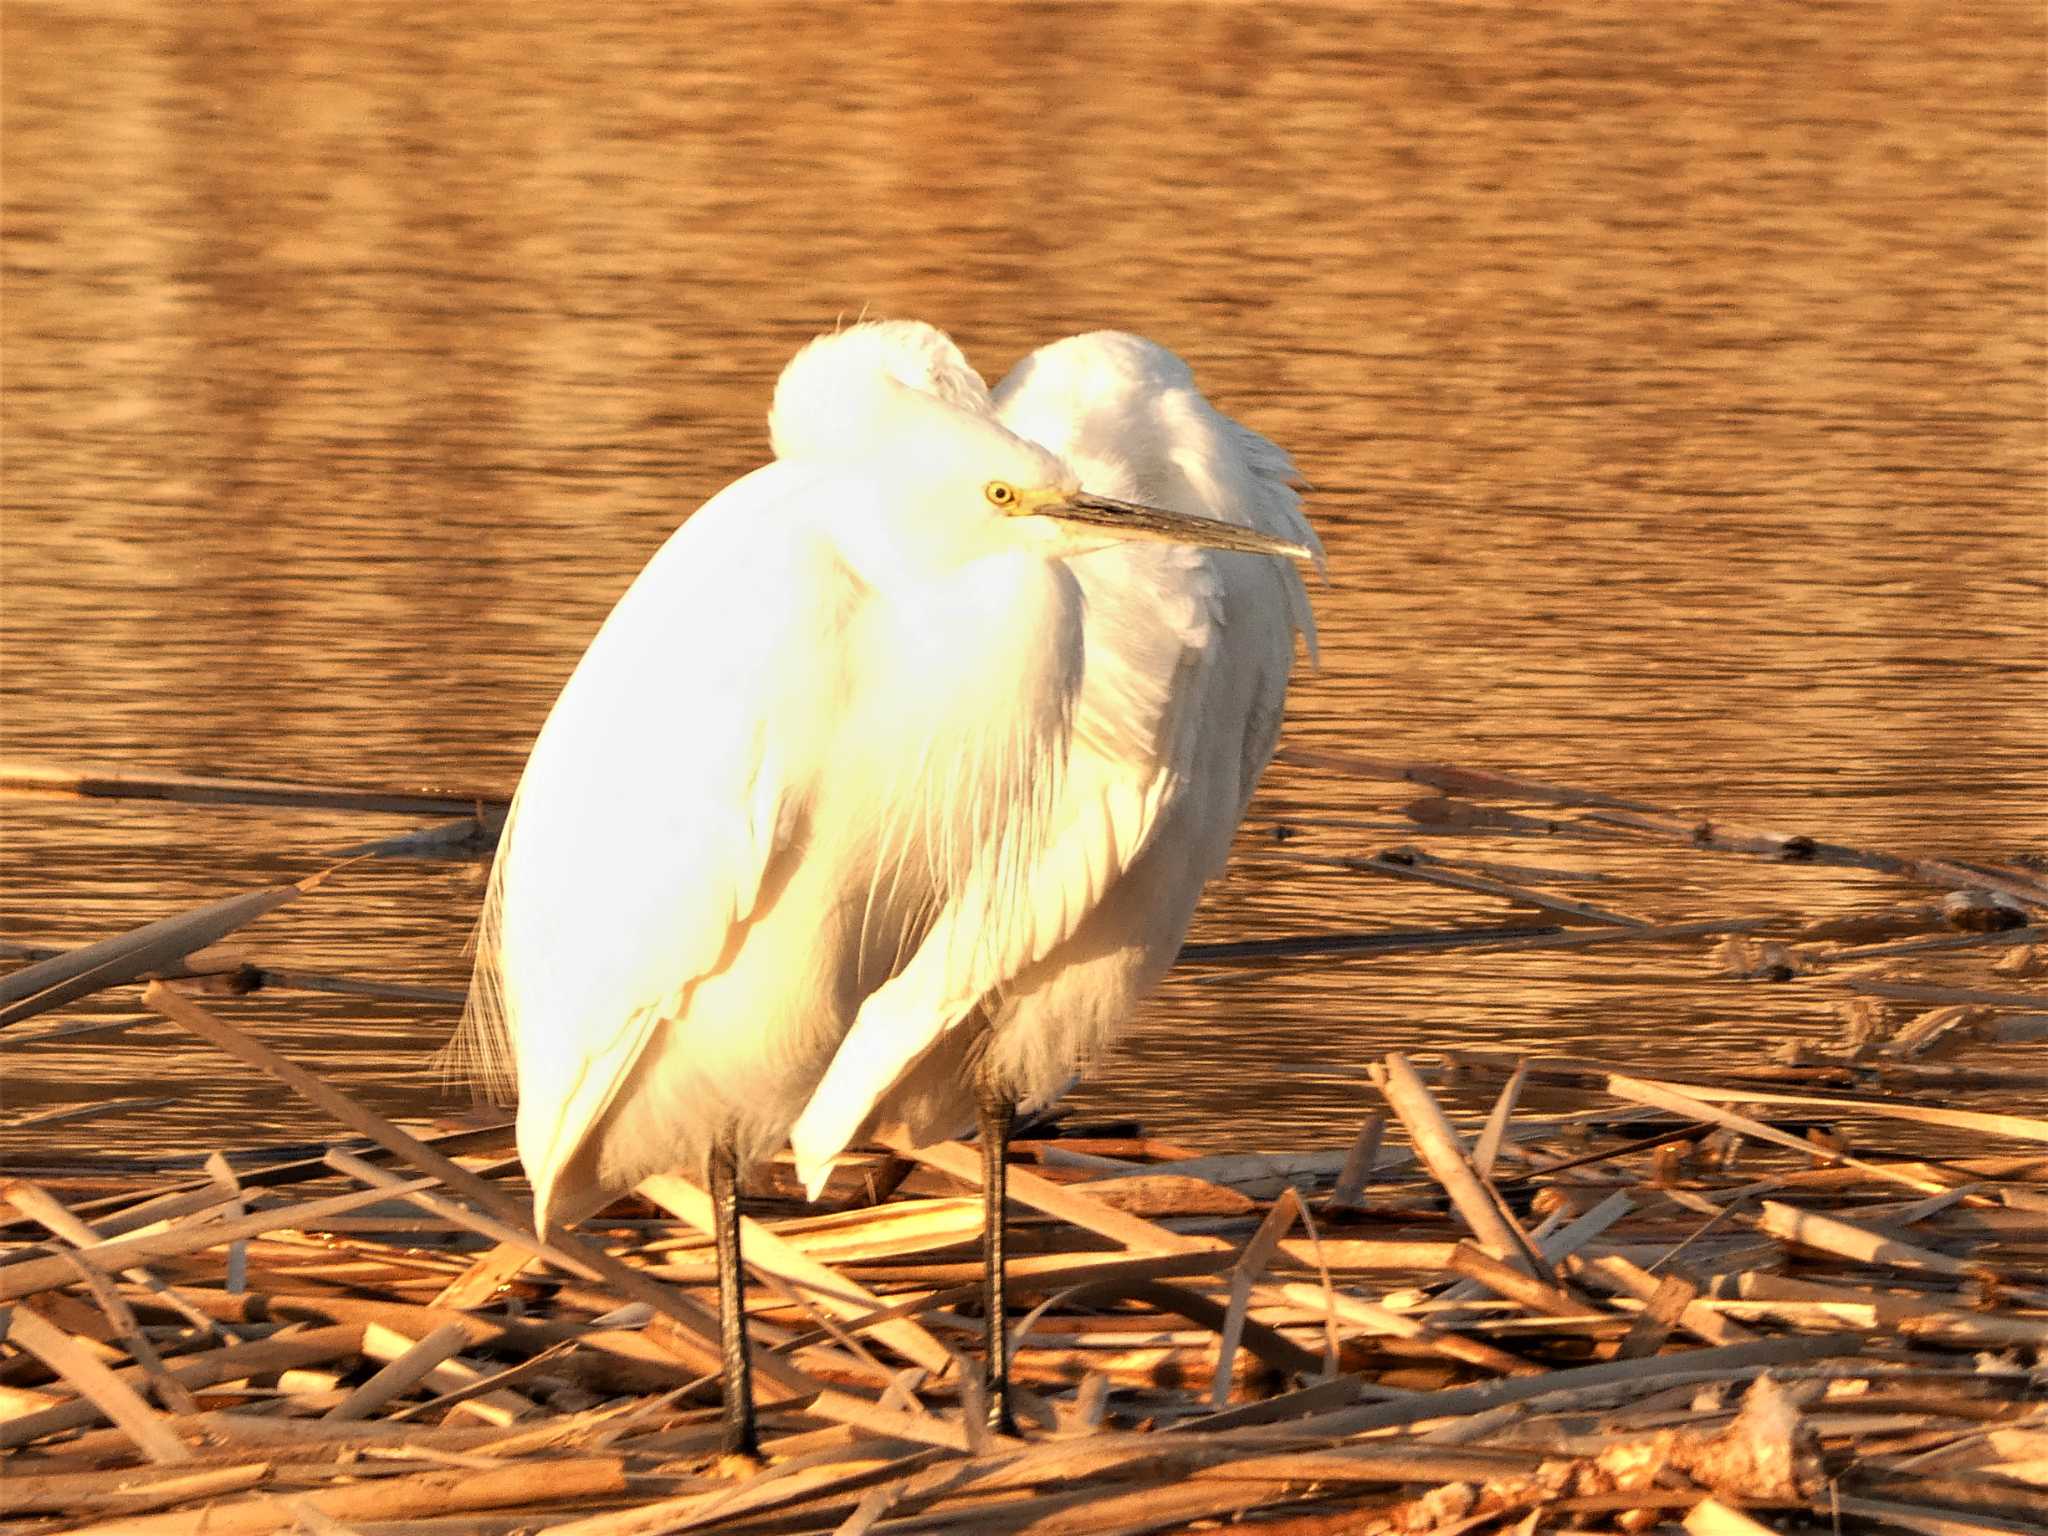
x=1670, y=379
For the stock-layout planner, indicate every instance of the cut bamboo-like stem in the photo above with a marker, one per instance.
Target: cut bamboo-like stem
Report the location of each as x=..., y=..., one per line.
x=1438, y=1146
x=401, y=1374
x=27, y=1276
x=1258, y=1253
x=194, y=789
x=1359, y=1163
x=77, y=973
x=314, y=1347
x=1832, y=1234
x=1487, y=1149
x=101, y=1387
x=1067, y=1203
x=2020, y=1127
x=421, y=1495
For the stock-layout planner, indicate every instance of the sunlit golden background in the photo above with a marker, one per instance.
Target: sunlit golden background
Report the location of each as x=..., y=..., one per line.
x=1670, y=379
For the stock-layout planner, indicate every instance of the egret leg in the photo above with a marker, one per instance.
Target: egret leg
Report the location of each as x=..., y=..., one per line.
x=739, y=1437
x=997, y=1114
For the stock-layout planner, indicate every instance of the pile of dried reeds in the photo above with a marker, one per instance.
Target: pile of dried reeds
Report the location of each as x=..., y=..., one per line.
x=1749, y=1300
x=1666, y=1305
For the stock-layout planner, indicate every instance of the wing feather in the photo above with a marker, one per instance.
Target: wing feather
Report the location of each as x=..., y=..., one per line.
x=670, y=773
x=956, y=967
x=1152, y=615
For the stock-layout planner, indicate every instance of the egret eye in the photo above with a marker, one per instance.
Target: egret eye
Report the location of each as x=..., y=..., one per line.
x=1001, y=494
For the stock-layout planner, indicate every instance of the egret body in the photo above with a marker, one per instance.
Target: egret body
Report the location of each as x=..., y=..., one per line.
x=890, y=784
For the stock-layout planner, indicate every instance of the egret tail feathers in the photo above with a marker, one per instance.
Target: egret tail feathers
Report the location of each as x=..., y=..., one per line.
x=894, y=1028
x=553, y=1126
x=480, y=1051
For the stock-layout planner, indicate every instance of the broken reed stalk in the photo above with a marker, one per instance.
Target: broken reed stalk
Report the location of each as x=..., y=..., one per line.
x=77, y=973
x=193, y=789
x=1445, y=1158
x=1610, y=811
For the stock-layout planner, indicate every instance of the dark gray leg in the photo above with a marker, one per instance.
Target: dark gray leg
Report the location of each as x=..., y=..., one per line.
x=739, y=1438
x=997, y=1114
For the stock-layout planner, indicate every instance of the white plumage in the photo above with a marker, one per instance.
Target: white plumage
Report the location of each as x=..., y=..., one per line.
x=868, y=778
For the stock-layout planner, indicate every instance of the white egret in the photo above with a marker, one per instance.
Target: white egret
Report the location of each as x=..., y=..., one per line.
x=890, y=784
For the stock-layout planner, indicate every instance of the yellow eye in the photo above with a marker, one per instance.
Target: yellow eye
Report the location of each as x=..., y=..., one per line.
x=1000, y=493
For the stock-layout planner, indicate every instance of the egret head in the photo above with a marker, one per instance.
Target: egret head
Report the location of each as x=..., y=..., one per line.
x=815, y=412
x=1095, y=395
x=969, y=486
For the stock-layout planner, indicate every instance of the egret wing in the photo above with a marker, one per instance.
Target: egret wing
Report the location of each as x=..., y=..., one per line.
x=1151, y=630
x=668, y=776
